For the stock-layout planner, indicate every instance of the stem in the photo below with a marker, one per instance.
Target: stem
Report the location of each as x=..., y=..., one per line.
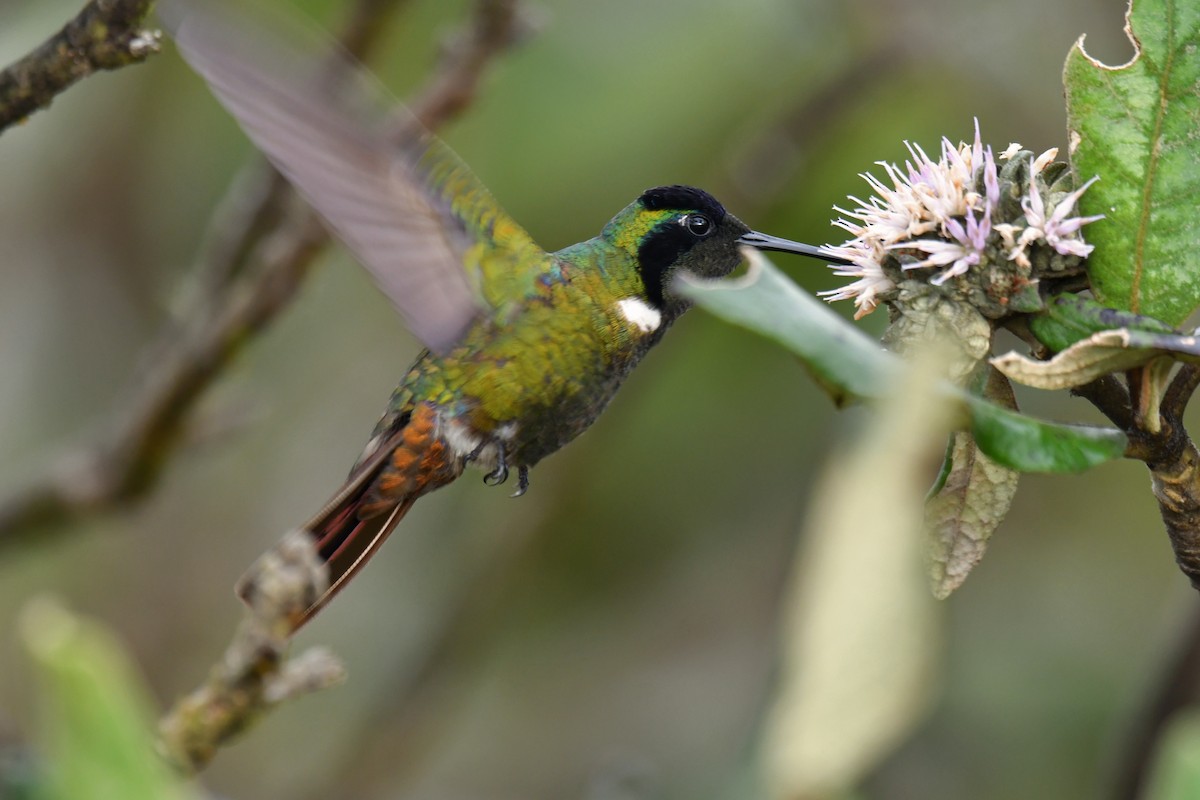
x=1176, y=485
x=1111, y=398
x=1175, y=400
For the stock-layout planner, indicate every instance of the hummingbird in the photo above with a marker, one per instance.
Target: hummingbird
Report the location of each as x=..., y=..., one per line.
x=524, y=348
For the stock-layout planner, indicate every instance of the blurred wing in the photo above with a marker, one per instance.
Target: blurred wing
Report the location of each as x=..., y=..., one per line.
x=409, y=210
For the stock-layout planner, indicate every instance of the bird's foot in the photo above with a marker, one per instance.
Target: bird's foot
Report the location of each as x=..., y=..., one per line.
x=500, y=474
x=522, y=481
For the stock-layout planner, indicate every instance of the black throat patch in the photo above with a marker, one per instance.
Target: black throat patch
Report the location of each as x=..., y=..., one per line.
x=667, y=243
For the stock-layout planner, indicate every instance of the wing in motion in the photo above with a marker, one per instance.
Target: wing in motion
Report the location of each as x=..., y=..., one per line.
x=406, y=206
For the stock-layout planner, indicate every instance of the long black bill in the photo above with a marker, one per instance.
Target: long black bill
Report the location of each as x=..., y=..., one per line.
x=762, y=241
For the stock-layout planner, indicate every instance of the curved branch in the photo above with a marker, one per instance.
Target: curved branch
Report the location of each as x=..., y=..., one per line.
x=106, y=34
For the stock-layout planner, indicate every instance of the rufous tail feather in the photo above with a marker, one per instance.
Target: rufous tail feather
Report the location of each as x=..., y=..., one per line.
x=356, y=521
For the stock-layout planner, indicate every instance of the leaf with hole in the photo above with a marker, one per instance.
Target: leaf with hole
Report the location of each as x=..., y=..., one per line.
x=1134, y=125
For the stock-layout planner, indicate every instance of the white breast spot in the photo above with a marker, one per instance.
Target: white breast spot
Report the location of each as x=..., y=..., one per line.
x=461, y=439
x=640, y=314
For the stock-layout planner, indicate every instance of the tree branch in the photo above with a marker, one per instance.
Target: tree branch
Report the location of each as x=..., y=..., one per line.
x=106, y=34
x=255, y=675
x=262, y=243
x=1111, y=398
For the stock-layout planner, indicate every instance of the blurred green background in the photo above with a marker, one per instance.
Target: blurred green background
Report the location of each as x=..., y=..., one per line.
x=612, y=634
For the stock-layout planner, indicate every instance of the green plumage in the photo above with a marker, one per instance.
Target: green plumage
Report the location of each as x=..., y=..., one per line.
x=549, y=357
x=525, y=347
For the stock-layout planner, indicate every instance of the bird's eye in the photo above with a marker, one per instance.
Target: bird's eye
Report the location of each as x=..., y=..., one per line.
x=697, y=224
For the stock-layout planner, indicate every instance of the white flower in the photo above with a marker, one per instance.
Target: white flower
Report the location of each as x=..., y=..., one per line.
x=1010, y=151
x=949, y=210
x=964, y=251
x=865, y=266
x=1057, y=230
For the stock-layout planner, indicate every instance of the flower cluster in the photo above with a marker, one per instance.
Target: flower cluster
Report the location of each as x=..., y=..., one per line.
x=963, y=215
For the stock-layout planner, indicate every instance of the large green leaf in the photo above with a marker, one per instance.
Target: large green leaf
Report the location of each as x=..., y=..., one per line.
x=1135, y=126
x=853, y=366
x=1070, y=318
x=97, y=740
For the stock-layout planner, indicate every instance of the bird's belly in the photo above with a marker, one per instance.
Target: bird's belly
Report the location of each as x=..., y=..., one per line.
x=530, y=411
x=530, y=388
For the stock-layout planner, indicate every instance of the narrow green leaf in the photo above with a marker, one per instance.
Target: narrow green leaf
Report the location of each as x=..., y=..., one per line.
x=1135, y=126
x=844, y=361
x=853, y=366
x=1029, y=445
x=96, y=731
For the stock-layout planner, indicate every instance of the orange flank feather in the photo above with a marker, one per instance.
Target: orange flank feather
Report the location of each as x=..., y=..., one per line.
x=380, y=491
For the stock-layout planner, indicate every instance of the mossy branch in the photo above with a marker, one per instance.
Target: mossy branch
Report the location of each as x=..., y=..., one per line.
x=106, y=34
x=255, y=674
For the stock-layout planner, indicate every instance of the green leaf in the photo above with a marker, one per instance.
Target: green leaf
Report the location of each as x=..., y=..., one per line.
x=841, y=358
x=1029, y=445
x=1097, y=355
x=1135, y=126
x=853, y=366
x=96, y=729
x=971, y=503
x=1069, y=318
x=1176, y=773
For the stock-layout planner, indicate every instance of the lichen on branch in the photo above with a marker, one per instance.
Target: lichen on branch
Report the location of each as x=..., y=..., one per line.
x=106, y=34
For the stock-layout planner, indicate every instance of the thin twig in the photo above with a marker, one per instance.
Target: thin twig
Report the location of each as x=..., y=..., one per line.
x=1183, y=386
x=106, y=34
x=255, y=674
x=256, y=262
x=495, y=25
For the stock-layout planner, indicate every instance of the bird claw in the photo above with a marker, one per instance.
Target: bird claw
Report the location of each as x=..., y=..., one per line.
x=497, y=476
x=500, y=474
x=522, y=481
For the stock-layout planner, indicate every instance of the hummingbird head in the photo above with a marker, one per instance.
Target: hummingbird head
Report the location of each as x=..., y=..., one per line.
x=680, y=228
